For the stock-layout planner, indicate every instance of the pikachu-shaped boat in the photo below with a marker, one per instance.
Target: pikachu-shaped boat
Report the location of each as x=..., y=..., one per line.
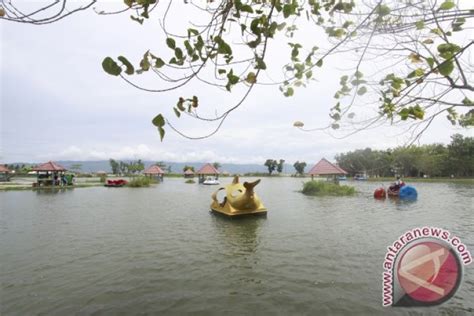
x=240, y=200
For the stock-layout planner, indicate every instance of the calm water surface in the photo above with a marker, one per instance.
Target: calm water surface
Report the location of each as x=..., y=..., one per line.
x=159, y=250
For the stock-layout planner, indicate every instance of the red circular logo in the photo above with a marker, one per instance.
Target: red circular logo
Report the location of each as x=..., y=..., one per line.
x=429, y=272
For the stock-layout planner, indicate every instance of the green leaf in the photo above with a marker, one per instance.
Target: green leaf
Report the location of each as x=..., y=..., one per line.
x=428, y=41
x=195, y=101
x=180, y=104
x=178, y=53
x=171, y=43
x=430, y=62
x=231, y=79
x=159, y=121
x=383, y=10
x=358, y=74
x=161, y=130
x=144, y=63
x=281, y=26
x=289, y=92
x=222, y=46
x=260, y=63
x=177, y=112
x=221, y=71
x=192, y=31
x=420, y=24
x=437, y=31
x=404, y=114
x=251, y=78
x=362, y=90
x=447, y=5
x=111, y=67
x=159, y=62
x=287, y=10
x=446, y=68
x=129, y=67
x=189, y=48
x=319, y=63
x=416, y=73
x=246, y=8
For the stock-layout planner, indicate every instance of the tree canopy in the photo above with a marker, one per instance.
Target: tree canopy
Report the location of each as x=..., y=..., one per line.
x=408, y=62
x=435, y=160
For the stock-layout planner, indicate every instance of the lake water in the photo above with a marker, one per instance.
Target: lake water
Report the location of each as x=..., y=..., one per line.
x=159, y=250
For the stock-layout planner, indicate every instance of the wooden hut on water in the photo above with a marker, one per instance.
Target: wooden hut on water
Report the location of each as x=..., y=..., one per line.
x=188, y=173
x=50, y=174
x=206, y=171
x=4, y=173
x=328, y=169
x=154, y=172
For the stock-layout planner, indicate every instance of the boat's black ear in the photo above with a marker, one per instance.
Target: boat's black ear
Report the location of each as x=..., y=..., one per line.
x=250, y=185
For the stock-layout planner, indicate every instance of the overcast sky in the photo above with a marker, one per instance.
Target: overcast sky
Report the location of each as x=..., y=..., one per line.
x=58, y=104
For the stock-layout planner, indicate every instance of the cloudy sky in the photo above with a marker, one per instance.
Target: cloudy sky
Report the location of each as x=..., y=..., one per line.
x=57, y=103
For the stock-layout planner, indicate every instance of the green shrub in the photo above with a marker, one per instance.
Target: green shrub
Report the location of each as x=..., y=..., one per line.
x=102, y=178
x=139, y=182
x=322, y=188
x=190, y=181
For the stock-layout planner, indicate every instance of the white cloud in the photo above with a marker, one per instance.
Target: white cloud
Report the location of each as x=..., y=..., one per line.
x=60, y=105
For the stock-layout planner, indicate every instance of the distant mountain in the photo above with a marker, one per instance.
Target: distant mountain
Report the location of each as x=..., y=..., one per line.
x=176, y=167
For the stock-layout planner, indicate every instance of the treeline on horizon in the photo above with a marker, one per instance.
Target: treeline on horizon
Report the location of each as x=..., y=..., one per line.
x=435, y=160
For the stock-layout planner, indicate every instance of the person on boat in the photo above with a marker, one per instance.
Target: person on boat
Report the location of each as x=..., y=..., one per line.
x=397, y=185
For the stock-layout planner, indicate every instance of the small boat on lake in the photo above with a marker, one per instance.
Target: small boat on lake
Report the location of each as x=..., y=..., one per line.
x=211, y=181
x=115, y=183
x=402, y=191
x=360, y=177
x=240, y=200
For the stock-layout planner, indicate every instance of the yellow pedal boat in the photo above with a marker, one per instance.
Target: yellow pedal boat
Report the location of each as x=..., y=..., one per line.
x=240, y=200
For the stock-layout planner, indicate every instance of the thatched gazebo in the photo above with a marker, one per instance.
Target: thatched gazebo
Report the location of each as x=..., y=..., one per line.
x=207, y=170
x=50, y=174
x=154, y=172
x=326, y=168
x=4, y=173
x=189, y=173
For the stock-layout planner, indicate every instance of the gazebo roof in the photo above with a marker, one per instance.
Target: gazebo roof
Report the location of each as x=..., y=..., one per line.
x=153, y=170
x=49, y=166
x=208, y=169
x=188, y=171
x=4, y=169
x=324, y=167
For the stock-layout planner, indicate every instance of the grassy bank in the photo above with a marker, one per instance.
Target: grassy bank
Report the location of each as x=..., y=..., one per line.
x=24, y=187
x=322, y=188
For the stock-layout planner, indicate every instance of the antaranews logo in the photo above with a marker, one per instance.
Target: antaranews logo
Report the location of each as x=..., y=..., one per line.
x=423, y=267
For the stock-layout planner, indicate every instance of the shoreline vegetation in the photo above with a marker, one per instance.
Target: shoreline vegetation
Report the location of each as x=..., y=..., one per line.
x=137, y=182
x=325, y=188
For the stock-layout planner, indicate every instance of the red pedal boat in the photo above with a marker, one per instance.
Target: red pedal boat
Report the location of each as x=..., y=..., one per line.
x=116, y=183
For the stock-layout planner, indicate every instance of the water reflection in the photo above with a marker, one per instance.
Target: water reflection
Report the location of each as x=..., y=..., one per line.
x=241, y=235
x=402, y=204
x=51, y=191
